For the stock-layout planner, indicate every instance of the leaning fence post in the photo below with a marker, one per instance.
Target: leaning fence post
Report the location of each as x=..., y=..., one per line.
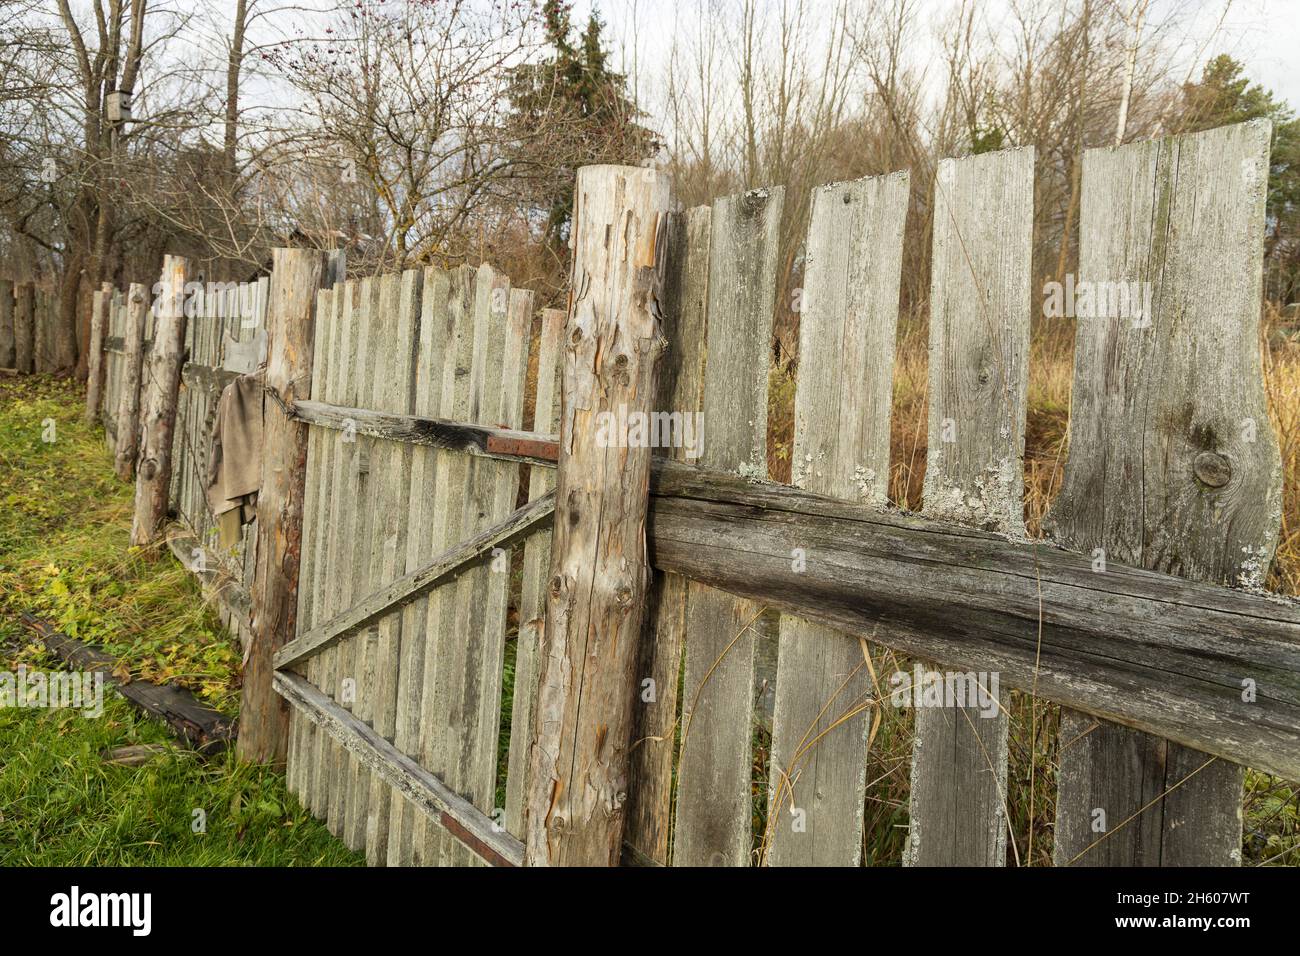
x=25, y=328
x=158, y=407
x=95, y=358
x=599, y=572
x=128, y=407
x=6, y=323
x=290, y=334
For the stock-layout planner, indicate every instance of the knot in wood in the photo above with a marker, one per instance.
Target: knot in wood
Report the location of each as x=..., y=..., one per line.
x=557, y=585
x=624, y=596
x=984, y=377
x=576, y=337
x=148, y=469
x=1213, y=469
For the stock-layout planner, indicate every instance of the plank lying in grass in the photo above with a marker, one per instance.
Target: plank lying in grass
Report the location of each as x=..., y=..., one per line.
x=1154, y=652
x=202, y=728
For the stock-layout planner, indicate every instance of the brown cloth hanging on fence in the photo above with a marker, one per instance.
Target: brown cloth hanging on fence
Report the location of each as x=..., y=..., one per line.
x=235, y=462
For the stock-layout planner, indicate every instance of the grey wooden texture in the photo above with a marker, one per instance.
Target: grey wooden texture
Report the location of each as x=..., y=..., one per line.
x=980, y=306
x=437, y=327
x=848, y=325
x=301, y=730
x=410, y=779
x=6, y=324
x=1166, y=658
x=24, y=327
x=680, y=385
x=469, y=298
x=129, y=368
x=390, y=469
x=322, y=668
x=95, y=355
x=714, y=788
x=465, y=697
x=536, y=572
x=354, y=566
x=158, y=408
x=1173, y=462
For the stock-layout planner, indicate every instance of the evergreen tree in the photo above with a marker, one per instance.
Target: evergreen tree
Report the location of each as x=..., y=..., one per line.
x=584, y=108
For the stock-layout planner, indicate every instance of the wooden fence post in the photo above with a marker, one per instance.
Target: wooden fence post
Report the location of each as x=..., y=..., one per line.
x=290, y=335
x=6, y=323
x=100, y=302
x=158, y=413
x=128, y=407
x=25, y=327
x=599, y=573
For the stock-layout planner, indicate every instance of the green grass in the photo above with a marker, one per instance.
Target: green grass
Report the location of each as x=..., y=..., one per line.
x=65, y=557
x=63, y=804
x=65, y=523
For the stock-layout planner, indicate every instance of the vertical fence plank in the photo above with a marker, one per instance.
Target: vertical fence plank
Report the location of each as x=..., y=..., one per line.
x=158, y=406
x=24, y=327
x=129, y=381
x=600, y=572
x=263, y=716
x=7, y=354
x=714, y=798
x=315, y=511
x=354, y=569
x=536, y=572
x=449, y=730
x=469, y=302
x=848, y=324
x=443, y=307
x=320, y=669
x=393, y=467
x=1173, y=462
x=654, y=716
x=469, y=678
x=979, y=374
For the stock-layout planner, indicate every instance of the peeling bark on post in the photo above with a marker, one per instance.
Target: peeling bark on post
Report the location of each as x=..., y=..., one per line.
x=95, y=358
x=128, y=407
x=153, y=473
x=290, y=337
x=599, y=570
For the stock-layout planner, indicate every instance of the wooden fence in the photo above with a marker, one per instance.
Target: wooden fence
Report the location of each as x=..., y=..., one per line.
x=430, y=612
x=28, y=316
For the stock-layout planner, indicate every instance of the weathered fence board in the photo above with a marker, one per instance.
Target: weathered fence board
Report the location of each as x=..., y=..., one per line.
x=654, y=726
x=1173, y=463
x=536, y=574
x=130, y=365
x=24, y=327
x=441, y=307
x=469, y=304
x=714, y=773
x=848, y=322
x=7, y=353
x=979, y=380
x=393, y=467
